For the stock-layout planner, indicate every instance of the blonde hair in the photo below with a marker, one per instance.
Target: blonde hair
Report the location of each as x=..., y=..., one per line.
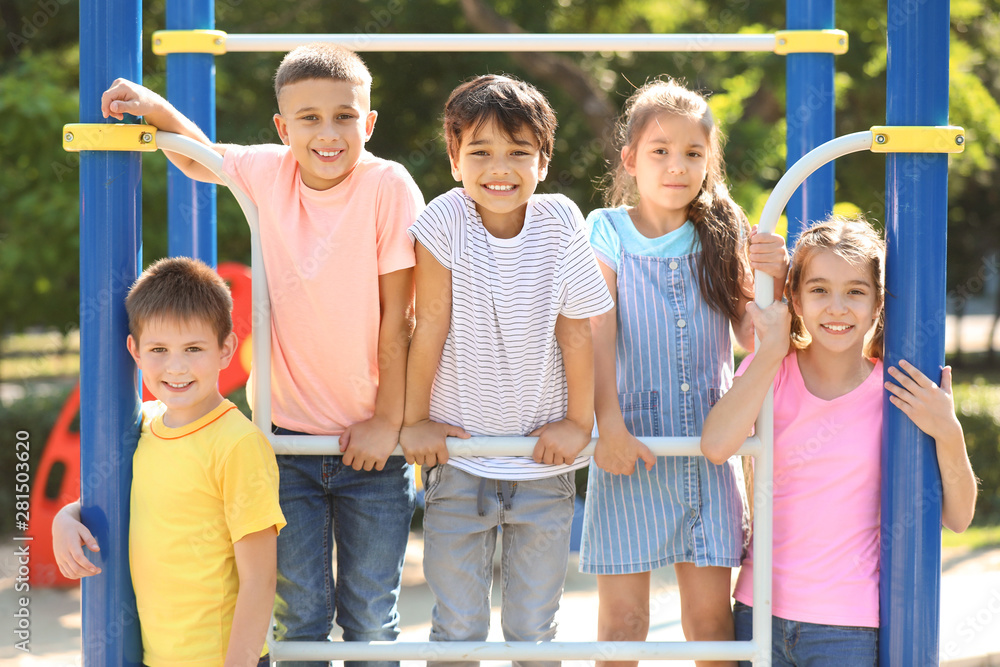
x=721, y=224
x=855, y=241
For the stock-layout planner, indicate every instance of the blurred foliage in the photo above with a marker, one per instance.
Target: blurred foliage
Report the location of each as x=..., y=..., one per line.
x=978, y=407
x=38, y=182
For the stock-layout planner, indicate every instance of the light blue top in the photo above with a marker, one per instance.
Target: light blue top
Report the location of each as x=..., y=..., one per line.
x=612, y=228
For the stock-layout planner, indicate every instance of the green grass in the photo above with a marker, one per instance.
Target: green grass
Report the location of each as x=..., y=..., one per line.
x=39, y=356
x=976, y=537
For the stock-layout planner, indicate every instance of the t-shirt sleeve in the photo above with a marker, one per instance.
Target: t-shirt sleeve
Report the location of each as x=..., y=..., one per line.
x=249, y=485
x=603, y=238
x=399, y=201
x=436, y=227
x=582, y=287
x=244, y=164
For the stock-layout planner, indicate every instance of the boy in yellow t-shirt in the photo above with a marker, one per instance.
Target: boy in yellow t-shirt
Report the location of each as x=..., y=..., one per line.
x=204, y=502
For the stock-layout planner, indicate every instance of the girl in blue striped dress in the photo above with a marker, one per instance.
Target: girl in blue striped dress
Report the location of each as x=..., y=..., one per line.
x=674, y=251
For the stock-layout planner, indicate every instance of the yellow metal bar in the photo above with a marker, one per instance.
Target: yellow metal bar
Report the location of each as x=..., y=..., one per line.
x=189, y=41
x=810, y=41
x=917, y=139
x=103, y=137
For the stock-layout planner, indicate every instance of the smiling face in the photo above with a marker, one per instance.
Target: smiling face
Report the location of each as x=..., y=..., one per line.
x=837, y=301
x=180, y=364
x=500, y=173
x=669, y=162
x=326, y=123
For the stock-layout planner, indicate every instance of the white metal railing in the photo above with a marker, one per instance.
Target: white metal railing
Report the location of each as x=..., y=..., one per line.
x=760, y=446
x=507, y=42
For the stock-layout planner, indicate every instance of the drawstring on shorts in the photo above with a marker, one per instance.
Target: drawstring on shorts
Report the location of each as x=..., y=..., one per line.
x=507, y=490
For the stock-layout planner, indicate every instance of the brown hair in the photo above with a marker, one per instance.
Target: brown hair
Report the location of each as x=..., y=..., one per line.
x=722, y=226
x=322, y=61
x=181, y=288
x=511, y=103
x=857, y=242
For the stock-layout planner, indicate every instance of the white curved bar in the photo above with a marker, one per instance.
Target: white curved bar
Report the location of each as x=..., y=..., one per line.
x=507, y=42
x=763, y=523
x=721, y=650
x=804, y=167
x=259, y=387
x=495, y=446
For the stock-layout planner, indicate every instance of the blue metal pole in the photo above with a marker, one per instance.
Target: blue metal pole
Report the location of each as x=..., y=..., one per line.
x=110, y=255
x=916, y=237
x=809, y=109
x=191, y=88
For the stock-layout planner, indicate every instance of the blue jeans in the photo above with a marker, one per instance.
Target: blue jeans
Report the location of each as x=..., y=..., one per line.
x=368, y=515
x=460, y=537
x=799, y=644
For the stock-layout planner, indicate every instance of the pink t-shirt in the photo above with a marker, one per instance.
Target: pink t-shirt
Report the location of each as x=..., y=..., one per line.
x=324, y=252
x=826, y=502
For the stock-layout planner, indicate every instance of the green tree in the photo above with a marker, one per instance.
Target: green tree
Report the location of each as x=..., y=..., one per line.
x=586, y=89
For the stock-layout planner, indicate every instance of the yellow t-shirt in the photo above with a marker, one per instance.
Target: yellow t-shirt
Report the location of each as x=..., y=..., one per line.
x=196, y=490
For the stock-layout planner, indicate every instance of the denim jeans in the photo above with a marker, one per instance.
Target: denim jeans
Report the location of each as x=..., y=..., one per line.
x=367, y=515
x=800, y=644
x=535, y=517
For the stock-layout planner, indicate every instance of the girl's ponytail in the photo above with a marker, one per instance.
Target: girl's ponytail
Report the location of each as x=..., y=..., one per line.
x=724, y=265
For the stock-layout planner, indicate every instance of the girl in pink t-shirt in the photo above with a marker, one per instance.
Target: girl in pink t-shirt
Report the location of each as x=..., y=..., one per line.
x=827, y=441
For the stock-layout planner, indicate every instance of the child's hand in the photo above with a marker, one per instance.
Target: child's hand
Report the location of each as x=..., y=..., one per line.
x=68, y=538
x=369, y=443
x=559, y=442
x=932, y=409
x=424, y=442
x=768, y=254
x=618, y=450
x=927, y=405
x=125, y=97
x=773, y=327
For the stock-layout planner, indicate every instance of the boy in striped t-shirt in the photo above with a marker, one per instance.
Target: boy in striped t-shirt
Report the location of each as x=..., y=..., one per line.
x=506, y=284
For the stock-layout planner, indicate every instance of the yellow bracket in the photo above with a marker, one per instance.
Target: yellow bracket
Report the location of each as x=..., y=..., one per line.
x=917, y=139
x=103, y=137
x=189, y=41
x=810, y=41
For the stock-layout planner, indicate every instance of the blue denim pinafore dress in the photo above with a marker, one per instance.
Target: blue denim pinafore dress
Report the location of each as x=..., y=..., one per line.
x=674, y=361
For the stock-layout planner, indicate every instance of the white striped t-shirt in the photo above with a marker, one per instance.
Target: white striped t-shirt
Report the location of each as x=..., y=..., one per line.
x=501, y=370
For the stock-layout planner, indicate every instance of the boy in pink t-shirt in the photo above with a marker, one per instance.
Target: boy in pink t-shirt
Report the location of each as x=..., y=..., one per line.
x=333, y=221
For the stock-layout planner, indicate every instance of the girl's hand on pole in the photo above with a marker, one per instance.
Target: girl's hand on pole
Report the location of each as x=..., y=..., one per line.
x=772, y=326
x=768, y=254
x=617, y=452
x=927, y=405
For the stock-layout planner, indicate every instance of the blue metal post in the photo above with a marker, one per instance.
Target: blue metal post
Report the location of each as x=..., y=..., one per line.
x=110, y=254
x=191, y=88
x=916, y=236
x=809, y=109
